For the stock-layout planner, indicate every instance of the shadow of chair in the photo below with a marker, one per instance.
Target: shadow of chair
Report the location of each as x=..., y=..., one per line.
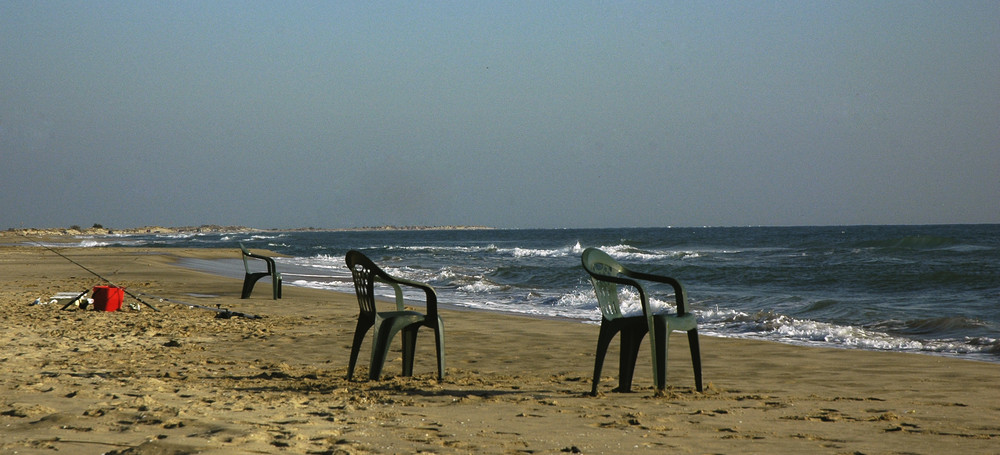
x=251, y=277
x=607, y=275
x=387, y=323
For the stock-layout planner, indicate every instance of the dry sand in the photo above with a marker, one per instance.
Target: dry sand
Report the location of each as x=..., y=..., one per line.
x=182, y=381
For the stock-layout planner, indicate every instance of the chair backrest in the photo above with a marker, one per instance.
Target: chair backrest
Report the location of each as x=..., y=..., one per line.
x=598, y=263
x=364, y=272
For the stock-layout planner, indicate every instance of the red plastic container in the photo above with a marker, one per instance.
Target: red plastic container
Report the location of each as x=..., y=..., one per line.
x=108, y=298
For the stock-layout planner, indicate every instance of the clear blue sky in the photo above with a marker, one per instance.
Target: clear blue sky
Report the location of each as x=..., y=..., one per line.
x=508, y=114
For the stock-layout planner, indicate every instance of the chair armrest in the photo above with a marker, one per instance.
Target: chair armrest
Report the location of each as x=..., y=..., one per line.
x=429, y=293
x=616, y=279
x=396, y=288
x=680, y=296
x=271, y=267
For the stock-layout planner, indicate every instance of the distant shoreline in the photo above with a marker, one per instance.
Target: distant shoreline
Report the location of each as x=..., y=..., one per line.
x=212, y=228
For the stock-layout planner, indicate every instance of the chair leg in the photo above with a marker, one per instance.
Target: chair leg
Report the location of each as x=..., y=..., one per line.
x=439, y=340
x=631, y=340
x=380, y=350
x=603, y=341
x=379, y=353
x=276, y=286
x=660, y=360
x=695, y=357
x=359, y=336
x=249, y=280
x=409, y=339
x=661, y=364
x=385, y=330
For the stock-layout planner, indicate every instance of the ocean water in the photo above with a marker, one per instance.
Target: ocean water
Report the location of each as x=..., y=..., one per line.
x=922, y=289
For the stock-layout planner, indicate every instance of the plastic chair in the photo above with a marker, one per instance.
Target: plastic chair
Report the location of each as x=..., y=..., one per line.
x=251, y=278
x=607, y=275
x=387, y=323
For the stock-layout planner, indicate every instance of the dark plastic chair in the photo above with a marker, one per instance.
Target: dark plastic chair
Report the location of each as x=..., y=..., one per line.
x=251, y=278
x=387, y=323
x=607, y=275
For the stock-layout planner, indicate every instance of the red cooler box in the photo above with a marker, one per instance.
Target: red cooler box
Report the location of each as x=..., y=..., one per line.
x=108, y=298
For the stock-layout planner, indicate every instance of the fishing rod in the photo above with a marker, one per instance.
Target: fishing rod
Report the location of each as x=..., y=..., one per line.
x=223, y=312
x=87, y=269
x=76, y=300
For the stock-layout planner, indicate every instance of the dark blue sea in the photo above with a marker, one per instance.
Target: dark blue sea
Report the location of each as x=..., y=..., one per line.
x=922, y=289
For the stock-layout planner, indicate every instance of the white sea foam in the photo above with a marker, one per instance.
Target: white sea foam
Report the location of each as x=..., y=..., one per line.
x=786, y=329
x=741, y=270
x=93, y=243
x=319, y=261
x=89, y=243
x=340, y=286
x=541, y=252
x=481, y=287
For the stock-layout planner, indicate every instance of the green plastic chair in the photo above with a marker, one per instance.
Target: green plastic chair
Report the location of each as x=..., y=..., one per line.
x=387, y=323
x=607, y=275
x=251, y=278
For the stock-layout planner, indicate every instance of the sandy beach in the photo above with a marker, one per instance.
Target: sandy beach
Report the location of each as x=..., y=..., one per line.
x=179, y=380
